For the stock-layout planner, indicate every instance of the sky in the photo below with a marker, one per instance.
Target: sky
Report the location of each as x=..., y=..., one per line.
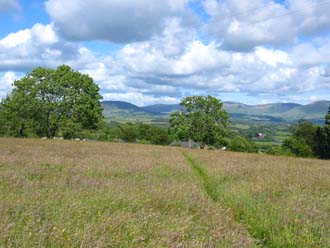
x=160, y=51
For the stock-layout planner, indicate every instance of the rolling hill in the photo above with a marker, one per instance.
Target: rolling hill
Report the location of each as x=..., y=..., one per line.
x=118, y=111
x=275, y=112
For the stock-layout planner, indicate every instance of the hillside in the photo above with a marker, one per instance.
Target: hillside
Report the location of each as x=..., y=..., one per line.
x=118, y=111
x=265, y=113
x=162, y=108
x=97, y=194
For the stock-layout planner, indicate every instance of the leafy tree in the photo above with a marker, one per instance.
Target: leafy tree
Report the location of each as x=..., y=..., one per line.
x=279, y=151
x=297, y=146
x=307, y=131
x=239, y=143
x=154, y=134
x=322, y=138
x=201, y=119
x=129, y=132
x=323, y=142
x=327, y=118
x=144, y=133
x=47, y=101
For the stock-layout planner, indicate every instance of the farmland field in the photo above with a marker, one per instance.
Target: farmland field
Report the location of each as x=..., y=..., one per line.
x=83, y=194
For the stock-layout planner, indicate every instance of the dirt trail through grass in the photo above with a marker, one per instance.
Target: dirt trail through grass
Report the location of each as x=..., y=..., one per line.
x=283, y=202
x=211, y=187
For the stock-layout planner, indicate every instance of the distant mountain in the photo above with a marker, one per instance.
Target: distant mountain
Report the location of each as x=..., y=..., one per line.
x=124, y=110
x=274, y=112
x=262, y=109
x=313, y=111
x=162, y=108
x=118, y=111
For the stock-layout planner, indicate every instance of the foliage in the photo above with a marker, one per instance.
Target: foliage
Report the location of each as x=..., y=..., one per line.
x=297, y=146
x=309, y=140
x=322, y=139
x=323, y=142
x=239, y=143
x=307, y=131
x=327, y=118
x=48, y=102
x=201, y=119
x=279, y=151
x=144, y=133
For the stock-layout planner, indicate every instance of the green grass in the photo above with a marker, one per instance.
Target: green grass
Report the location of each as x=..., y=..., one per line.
x=81, y=194
x=85, y=194
x=277, y=213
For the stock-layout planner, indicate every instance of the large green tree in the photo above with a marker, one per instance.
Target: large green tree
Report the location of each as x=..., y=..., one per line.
x=202, y=119
x=48, y=101
x=323, y=139
x=307, y=131
x=327, y=118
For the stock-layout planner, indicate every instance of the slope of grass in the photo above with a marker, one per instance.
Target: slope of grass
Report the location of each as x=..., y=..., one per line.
x=81, y=194
x=84, y=194
x=284, y=202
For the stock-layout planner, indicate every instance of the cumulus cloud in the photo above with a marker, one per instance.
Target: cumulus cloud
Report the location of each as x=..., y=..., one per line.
x=174, y=61
x=118, y=21
x=155, y=69
x=6, y=82
x=242, y=26
x=39, y=46
x=8, y=5
x=203, y=68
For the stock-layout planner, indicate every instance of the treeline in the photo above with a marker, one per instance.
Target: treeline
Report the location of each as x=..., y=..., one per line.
x=64, y=103
x=307, y=140
x=135, y=133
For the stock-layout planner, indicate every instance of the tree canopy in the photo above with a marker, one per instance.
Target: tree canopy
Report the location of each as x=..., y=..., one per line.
x=323, y=139
x=327, y=118
x=201, y=119
x=48, y=101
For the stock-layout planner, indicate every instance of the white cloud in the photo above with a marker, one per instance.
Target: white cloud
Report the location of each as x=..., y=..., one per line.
x=6, y=82
x=177, y=62
x=118, y=21
x=314, y=52
x=39, y=46
x=139, y=99
x=244, y=25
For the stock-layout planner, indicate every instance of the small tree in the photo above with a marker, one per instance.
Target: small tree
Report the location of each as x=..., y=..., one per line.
x=47, y=101
x=202, y=119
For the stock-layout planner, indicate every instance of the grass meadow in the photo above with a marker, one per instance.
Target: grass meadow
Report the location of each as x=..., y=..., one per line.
x=283, y=202
x=90, y=194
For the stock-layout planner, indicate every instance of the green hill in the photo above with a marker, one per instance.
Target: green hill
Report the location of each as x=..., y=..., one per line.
x=118, y=111
x=239, y=112
x=162, y=108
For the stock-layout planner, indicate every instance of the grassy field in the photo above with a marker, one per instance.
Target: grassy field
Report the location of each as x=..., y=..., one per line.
x=284, y=202
x=84, y=194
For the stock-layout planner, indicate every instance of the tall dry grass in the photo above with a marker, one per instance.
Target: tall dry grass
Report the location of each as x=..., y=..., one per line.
x=284, y=202
x=81, y=194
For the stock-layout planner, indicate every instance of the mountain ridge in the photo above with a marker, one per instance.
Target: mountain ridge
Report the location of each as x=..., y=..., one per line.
x=288, y=112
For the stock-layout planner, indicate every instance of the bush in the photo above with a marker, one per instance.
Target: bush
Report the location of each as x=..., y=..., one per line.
x=297, y=146
x=279, y=151
x=241, y=144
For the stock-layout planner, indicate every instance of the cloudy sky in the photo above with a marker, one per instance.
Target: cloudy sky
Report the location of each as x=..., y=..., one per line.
x=159, y=51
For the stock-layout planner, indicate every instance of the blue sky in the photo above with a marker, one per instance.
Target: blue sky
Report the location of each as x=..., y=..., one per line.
x=159, y=51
